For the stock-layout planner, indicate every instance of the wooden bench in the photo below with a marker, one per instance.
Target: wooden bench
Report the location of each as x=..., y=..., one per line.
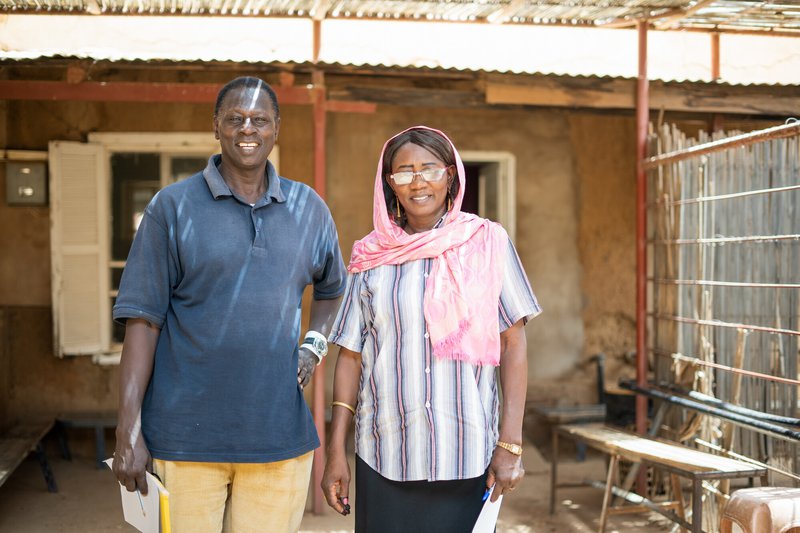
x=676, y=459
x=571, y=414
x=94, y=420
x=18, y=443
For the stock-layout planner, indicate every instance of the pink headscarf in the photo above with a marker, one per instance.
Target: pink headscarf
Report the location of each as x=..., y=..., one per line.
x=463, y=288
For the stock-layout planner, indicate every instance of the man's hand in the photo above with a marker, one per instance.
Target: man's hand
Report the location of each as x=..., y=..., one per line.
x=306, y=363
x=505, y=472
x=131, y=462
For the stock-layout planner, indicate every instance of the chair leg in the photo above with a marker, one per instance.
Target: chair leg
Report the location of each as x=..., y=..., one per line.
x=610, y=477
x=677, y=496
x=697, y=506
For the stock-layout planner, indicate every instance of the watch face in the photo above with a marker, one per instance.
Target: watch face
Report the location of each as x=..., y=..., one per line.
x=321, y=346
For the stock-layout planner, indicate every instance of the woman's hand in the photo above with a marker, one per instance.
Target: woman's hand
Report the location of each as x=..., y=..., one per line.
x=505, y=472
x=336, y=482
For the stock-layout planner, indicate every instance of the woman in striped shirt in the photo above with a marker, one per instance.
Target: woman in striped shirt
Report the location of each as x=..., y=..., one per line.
x=436, y=299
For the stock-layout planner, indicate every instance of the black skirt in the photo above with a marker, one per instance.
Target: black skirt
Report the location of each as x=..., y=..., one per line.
x=386, y=506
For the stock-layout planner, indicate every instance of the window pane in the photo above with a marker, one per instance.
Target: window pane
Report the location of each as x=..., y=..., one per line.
x=184, y=166
x=135, y=180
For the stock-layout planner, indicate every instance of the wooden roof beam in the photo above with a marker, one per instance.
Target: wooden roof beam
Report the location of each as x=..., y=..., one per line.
x=121, y=91
x=617, y=93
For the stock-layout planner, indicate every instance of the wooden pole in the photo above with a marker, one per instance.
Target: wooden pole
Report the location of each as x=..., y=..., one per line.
x=642, y=116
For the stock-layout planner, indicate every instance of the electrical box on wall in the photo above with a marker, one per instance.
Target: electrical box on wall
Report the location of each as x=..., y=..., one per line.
x=26, y=183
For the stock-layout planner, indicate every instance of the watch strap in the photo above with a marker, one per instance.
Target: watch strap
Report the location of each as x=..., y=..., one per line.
x=516, y=449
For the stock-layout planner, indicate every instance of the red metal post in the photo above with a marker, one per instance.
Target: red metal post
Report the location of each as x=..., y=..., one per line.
x=642, y=118
x=715, y=56
x=318, y=403
x=717, y=120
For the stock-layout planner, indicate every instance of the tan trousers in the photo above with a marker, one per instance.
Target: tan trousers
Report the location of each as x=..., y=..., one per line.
x=236, y=497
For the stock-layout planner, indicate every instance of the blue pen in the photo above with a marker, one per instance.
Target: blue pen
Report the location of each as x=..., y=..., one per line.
x=141, y=502
x=486, y=495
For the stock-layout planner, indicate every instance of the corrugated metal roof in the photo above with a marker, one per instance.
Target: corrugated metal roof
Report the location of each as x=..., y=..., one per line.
x=515, y=49
x=709, y=15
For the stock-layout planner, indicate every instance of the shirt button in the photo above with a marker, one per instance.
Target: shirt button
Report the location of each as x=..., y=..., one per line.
x=426, y=274
x=427, y=370
x=428, y=404
x=426, y=335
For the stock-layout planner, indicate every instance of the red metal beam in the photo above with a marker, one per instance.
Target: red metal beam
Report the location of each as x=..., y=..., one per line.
x=642, y=119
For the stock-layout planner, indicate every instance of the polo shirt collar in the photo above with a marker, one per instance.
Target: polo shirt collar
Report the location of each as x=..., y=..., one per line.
x=218, y=187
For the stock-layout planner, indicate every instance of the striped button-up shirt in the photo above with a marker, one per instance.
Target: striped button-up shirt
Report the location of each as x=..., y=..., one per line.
x=421, y=417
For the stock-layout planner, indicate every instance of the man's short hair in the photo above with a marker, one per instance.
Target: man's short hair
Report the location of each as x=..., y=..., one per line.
x=247, y=82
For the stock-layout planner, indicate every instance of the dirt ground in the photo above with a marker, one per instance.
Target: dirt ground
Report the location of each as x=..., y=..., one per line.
x=88, y=500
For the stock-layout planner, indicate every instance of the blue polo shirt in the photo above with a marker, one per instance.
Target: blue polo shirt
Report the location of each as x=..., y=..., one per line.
x=224, y=281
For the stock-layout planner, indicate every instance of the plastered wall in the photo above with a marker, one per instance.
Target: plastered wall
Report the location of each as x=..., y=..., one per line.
x=574, y=209
x=546, y=204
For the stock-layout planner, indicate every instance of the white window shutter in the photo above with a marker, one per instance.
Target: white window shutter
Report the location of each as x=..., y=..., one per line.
x=79, y=222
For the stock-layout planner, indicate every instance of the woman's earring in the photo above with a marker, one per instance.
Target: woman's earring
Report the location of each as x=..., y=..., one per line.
x=398, y=208
x=449, y=203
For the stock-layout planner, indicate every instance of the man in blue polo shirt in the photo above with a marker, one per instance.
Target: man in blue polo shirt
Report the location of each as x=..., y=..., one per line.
x=211, y=375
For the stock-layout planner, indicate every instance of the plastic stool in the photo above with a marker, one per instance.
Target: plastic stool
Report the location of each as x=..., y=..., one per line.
x=762, y=510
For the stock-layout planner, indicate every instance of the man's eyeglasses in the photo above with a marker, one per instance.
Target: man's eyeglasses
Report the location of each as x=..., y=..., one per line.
x=429, y=174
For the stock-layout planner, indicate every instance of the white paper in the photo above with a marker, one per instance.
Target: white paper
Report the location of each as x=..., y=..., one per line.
x=487, y=520
x=140, y=511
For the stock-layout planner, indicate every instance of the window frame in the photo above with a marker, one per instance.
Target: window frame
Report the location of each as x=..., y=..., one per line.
x=164, y=144
x=506, y=183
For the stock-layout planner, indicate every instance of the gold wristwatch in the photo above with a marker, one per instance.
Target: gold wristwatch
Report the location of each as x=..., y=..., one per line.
x=516, y=449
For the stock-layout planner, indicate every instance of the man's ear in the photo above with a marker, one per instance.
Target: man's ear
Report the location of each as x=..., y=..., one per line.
x=216, y=128
x=277, y=128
